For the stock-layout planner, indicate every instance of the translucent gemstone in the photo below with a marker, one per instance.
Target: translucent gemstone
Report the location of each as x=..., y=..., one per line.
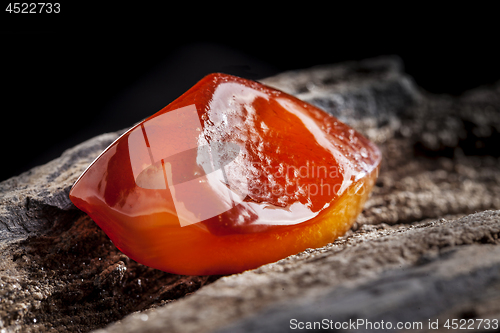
x=230, y=176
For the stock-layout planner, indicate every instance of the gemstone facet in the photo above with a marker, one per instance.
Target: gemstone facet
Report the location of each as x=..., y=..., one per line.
x=230, y=176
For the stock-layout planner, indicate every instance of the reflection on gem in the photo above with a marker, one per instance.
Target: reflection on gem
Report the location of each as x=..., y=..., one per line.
x=230, y=176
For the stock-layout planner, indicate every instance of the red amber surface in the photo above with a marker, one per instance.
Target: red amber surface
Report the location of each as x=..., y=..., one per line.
x=230, y=176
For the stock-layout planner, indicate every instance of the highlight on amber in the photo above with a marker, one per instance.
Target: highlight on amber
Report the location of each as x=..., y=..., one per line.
x=230, y=176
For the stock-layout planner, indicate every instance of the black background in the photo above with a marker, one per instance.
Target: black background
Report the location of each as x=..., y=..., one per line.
x=92, y=69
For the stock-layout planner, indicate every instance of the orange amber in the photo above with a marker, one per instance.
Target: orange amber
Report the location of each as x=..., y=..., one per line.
x=230, y=176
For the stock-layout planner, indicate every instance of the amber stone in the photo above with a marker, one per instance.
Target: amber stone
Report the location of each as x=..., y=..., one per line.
x=230, y=176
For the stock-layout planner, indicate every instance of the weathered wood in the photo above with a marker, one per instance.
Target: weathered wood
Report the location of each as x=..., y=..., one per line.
x=31, y=203
x=413, y=253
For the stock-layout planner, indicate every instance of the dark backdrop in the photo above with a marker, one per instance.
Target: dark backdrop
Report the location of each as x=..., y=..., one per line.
x=89, y=70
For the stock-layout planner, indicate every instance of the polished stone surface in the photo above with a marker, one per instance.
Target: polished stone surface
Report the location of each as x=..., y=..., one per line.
x=231, y=175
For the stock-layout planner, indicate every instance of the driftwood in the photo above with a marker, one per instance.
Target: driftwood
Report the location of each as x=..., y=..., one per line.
x=423, y=250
